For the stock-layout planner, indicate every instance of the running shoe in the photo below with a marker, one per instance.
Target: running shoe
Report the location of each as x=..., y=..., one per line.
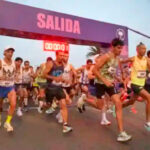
x=67, y=129
x=123, y=137
x=133, y=110
x=147, y=126
x=8, y=127
x=80, y=104
x=59, y=118
x=50, y=110
x=39, y=109
x=105, y=123
x=19, y=113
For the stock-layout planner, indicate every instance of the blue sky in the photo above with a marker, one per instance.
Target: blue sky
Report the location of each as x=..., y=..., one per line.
x=130, y=13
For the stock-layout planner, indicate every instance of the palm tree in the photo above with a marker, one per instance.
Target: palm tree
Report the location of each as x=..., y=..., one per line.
x=94, y=50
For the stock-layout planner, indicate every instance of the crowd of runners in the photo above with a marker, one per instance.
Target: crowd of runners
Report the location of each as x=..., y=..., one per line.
x=107, y=83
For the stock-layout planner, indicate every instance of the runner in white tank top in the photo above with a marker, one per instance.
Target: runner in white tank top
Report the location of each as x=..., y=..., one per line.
x=84, y=82
x=18, y=84
x=7, y=73
x=27, y=78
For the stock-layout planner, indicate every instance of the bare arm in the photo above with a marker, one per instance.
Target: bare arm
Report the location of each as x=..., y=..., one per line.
x=74, y=73
x=2, y=77
x=32, y=73
x=131, y=59
x=73, y=70
x=36, y=73
x=148, y=64
x=47, y=69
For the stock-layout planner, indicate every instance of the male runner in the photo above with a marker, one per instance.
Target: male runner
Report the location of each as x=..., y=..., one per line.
x=18, y=84
x=140, y=64
x=105, y=70
x=53, y=73
x=7, y=73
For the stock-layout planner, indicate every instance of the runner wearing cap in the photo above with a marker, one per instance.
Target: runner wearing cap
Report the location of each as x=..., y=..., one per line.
x=7, y=74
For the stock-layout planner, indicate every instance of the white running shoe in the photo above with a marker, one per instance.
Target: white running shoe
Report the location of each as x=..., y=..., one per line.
x=105, y=122
x=50, y=110
x=81, y=103
x=59, y=118
x=147, y=126
x=123, y=137
x=40, y=110
x=19, y=113
x=8, y=127
x=67, y=129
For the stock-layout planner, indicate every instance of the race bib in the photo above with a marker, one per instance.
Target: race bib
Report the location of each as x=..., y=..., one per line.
x=141, y=74
x=8, y=83
x=56, y=83
x=112, y=70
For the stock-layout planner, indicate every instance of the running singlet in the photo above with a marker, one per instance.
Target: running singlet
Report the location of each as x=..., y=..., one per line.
x=39, y=78
x=108, y=70
x=18, y=76
x=8, y=72
x=67, y=76
x=84, y=77
x=56, y=71
x=27, y=76
x=138, y=71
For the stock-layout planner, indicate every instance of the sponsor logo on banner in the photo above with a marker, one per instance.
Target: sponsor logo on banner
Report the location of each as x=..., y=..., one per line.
x=120, y=33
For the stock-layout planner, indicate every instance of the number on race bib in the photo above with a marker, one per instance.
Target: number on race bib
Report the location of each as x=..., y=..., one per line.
x=141, y=74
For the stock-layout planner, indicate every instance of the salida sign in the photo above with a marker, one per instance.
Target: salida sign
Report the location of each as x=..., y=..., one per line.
x=56, y=46
x=58, y=23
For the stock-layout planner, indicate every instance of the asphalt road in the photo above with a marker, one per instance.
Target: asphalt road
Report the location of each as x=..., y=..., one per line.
x=42, y=132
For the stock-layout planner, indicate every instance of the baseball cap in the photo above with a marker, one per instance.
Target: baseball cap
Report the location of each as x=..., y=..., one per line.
x=9, y=48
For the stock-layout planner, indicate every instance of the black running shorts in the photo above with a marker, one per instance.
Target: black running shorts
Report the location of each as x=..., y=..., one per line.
x=136, y=88
x=101, y=89
x=54, y=92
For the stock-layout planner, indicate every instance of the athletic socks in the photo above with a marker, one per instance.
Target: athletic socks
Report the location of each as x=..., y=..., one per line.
x=9, y=118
